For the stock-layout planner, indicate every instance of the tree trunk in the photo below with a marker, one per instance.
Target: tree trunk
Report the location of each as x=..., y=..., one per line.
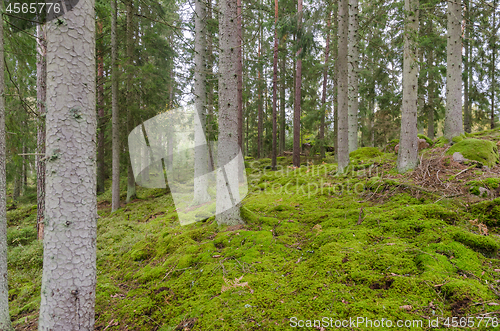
x=41, y=90
x=200, y=90
x=260, y=125
x=131, y=191
x=69, y=263
x=298, y=87
x=282, y=99
x=275, y=85
x=353, y=54
x=4, y=288
x=432, y=95
x=408, y=142
x=342, y=96
x=227, y=177
x=115, y=134
x=239, y=68
x=453, y=122
x=101, y=118
x=210, y=88
x=467, y=110
x=335, y=79
x=493, y=66
x=323, y=96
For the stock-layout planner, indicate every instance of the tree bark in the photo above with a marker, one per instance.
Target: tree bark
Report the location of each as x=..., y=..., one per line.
x=69, y=264
x=493, y=66
x=432, y=95
x=408, y=142
x=227, y=177
x=467, y=110
x=200, y=90
x=131, y=190
x=453, y=125
x=5, y=323
x=282, y=98
x=353, y=55
x=335, y=79
x=41, y=90
x=298, y=95
x=260, y=115
x=115, y=134
x=239, y=68
x=101, y=118
x=275, y=85
x=342, y=96
x=323, y=96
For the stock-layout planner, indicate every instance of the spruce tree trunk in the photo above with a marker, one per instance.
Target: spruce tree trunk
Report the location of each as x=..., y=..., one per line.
x=115, y=130
x=453, y=124
x=227, y=176
x=239, y=68
x=493, y=66
x=4, y=288
x=69, y=263
x=342, y=95
x=432, y=95
x=323, y=96
x=282, y=99
x=408, y=142
x=210, y=87
x=335, y=78
x=131, y=190
x=297, y=103
x=101, y=118
x=467, y=110
x=353, y=54
x=260, y=125
x=200, y=90
x=41, y=90
x=275, y=86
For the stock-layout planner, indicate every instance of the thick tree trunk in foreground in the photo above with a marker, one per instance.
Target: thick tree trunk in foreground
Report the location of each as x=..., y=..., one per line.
x=453, y=124
x=69, y=263
x=353, y=55
x=41, y=90
x=408, y=142
x=493, y=66
x=342, y=95
x=298, y=98
x=200, y=91
x=323, y=96
x=275, y=85
x=467, y=110
x=4, y=288
x=115, y=130
x=227, y=177
x=239, y=68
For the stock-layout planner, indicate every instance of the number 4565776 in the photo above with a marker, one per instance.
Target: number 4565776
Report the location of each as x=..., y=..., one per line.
x=33, y=8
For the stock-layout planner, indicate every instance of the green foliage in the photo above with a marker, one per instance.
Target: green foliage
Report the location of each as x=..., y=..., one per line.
x=483, y=151
x=365, y=153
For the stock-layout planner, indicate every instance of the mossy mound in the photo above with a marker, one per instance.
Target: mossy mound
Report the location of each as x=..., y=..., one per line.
x=483, y=151
x=365, y=153
x=489, y=183
x=459, y=138
x=487, y=212
x=427, y=139
x=440, y=142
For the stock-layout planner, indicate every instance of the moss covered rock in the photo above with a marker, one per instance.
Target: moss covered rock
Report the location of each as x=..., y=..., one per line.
x=365, y=153
x=483, y=151
x=427, y=139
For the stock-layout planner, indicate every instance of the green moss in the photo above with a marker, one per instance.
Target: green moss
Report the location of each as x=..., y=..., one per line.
x=459, y=138
x=483, y=151
x=365, y=153
x=487, y=212
x=427, y=139
x=440, y=142
x=477, y=242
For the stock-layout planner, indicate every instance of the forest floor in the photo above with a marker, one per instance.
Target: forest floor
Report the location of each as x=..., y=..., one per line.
x=371, y=243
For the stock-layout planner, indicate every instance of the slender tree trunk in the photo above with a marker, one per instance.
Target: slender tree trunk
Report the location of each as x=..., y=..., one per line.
x=41, y=89
x=239, y=68
x=101, y=118
x=200, y=90
x=408, y=142
x=467, y=111
x=323, y=96
x=69, y=263
x=342, y=122
x=282, y=98
x=115, y=130
x=210, y=88
x=353, y=55
x=4, y=288
x=260, y=125
x=275, y=85
x=227, y=177
x=131, y=190
x=432, y=95
x=298, y=88
x=453, y=122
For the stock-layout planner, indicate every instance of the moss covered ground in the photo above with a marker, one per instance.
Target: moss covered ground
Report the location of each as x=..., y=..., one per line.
x=369, y=243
